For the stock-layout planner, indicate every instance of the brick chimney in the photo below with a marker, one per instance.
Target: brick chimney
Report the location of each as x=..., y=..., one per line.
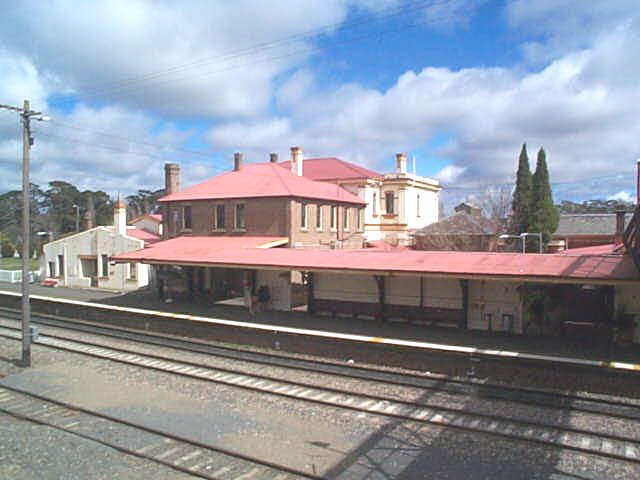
x=273, y=157
x=171, y=178
x=120, y=216
x=401, y=163
x=237, y=161
x=296, y=161
x=620, y=212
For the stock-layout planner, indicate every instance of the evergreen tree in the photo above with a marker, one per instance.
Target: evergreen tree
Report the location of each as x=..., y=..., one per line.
x=521, y=203
x=544, y=214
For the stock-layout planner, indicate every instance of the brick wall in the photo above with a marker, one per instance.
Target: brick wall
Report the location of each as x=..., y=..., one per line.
x=263, y=217
x=270, y=217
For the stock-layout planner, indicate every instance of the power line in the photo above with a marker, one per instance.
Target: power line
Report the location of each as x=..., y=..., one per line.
x=129, y=84
x=130, y=140
x=109, y=147
x=119, y=85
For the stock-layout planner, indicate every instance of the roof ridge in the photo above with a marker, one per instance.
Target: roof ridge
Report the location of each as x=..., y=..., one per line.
x=284, y=184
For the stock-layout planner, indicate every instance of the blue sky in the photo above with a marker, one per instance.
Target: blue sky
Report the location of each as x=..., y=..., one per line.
x=458, y=84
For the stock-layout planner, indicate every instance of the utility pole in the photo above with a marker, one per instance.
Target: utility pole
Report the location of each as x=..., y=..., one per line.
x=26, y=113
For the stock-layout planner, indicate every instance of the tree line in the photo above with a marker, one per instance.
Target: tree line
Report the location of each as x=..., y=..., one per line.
x=61, y=208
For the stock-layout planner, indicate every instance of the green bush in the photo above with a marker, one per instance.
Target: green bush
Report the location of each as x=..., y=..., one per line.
x=6, y=247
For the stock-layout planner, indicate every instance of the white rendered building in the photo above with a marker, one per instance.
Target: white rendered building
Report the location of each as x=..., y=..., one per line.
x=82, y=260
x=397, y=203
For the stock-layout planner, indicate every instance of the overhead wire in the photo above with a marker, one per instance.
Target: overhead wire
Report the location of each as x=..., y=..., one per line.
x=165, y=146
x=391, y=12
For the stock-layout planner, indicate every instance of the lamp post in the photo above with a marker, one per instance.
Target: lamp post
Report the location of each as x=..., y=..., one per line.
x=26, y=114
x=523, y=237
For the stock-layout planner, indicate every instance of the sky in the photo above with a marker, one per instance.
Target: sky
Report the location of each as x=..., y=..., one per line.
x=459, y=85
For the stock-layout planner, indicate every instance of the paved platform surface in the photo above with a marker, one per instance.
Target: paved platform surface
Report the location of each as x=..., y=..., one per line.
x=402, y=330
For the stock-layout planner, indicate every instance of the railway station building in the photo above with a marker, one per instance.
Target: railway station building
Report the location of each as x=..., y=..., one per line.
x=267, y=227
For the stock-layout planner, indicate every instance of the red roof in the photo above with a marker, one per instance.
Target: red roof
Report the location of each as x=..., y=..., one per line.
x=140, y=234
x=197, y=250
x=156, y=217
x=332, y=168
x=197, y=246
x=263, y=180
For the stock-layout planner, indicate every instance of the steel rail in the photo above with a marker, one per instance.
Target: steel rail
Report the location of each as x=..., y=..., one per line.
x=598, y=443
x=555, y=400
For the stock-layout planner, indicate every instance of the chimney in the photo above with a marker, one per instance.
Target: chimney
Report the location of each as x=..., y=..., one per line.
x=171, y=178
x=401, y=163
x=620, y=212
x=237, y=161
x=120, y=216
x=88, y=220
x=273, y=157
x=296, y=161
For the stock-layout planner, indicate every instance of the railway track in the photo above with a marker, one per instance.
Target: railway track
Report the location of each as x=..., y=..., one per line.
x=562, y=436
x=440, y=383
x=195, y=458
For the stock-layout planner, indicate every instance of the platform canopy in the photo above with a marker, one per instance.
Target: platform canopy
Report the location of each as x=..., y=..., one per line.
x=242, y=252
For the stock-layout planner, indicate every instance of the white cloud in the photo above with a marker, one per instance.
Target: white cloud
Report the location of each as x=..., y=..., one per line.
x=227, y=53
x=582, y=107
x=447, y=15
x=449, y=174
x=579, y=98
x=622, y=196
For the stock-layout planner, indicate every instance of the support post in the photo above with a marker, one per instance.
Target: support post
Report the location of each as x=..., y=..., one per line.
x=26, y=234
x=189, y=271
x=381, y=297
x=464, y=287
x=311, y=299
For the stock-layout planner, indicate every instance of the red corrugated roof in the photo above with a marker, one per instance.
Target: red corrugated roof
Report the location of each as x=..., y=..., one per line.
x=263, y=180
x=147, y=237
x=196, y=250
x=332, y=168
x=156, y=217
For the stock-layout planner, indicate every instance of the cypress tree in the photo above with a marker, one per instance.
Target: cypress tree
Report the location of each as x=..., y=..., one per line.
x=544, y=214
x=522, y=195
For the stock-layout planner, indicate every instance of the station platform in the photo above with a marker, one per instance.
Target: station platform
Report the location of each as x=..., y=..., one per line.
x=403, y=331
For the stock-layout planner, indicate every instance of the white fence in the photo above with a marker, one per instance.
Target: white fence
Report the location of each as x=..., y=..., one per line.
x=15, y=276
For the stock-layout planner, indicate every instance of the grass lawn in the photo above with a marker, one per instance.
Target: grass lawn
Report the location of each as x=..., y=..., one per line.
x=16, y=264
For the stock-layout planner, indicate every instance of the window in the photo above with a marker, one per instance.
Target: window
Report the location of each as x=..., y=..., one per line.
x=375, y=204
x=418, y=205
x=389, y=203
x=303, y=216
x=240, y=223
x=318, y=217
x=218, y=217
x=52, y=269
x=334, y=217
x=133, y=271
x=345, y=218
x=186, y=217
x=105, y=265
x=61, y=265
